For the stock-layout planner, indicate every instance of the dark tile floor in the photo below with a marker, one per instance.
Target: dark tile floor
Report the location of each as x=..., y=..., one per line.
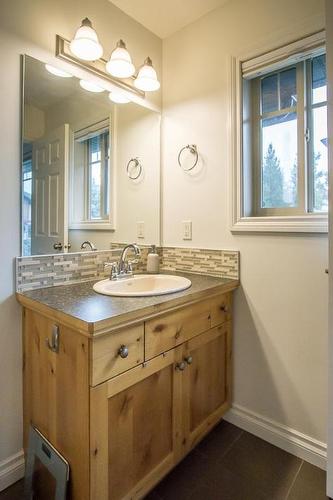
x=230, y=464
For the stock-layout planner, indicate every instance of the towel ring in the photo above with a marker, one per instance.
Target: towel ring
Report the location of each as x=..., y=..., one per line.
x=134, y=162
x=193, y=149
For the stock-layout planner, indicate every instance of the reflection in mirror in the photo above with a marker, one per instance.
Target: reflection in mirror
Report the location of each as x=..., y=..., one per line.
x=75, y=152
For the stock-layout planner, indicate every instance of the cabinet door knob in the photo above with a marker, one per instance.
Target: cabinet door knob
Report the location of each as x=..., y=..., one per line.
x=57, y=246
x=181, y=366
x=189, y=360
x=123, y=351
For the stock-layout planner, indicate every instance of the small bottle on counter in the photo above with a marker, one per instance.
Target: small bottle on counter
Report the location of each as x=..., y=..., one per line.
x=153, y=261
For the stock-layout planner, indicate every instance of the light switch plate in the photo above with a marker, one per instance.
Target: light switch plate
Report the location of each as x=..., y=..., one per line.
x=187, y=229
x=140, y=226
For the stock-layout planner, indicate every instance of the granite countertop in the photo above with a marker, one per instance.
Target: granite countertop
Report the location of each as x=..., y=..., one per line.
x=81, y=302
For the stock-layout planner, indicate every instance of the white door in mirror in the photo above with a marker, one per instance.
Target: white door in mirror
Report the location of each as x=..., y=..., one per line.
x=144, y=285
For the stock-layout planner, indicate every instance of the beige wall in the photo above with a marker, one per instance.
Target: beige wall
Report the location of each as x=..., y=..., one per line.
x=34, y=123
x=30, y=27
x=281, y=309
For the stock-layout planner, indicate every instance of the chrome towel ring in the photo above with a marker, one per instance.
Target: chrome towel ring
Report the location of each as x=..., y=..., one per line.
x=132, y=165
x=193, y=149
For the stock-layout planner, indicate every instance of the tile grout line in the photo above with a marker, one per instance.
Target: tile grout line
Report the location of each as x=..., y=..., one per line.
x=232, y=444
x=294, y=481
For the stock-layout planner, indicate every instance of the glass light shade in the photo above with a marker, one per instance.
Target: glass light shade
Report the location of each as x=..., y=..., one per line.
x=120, y=63
x=90, y=86
x=85, y=44
x=57, y=72
x=147, y=77
x=119, y=97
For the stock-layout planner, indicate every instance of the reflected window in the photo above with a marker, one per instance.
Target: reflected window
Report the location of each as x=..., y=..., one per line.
x=26, y=198
x=91, y=203
x=97, y=151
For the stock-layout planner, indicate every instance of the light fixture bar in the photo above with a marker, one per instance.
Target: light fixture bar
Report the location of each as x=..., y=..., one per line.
x=95, y=67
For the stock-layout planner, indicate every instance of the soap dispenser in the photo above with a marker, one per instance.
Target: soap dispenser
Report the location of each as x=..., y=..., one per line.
x=153, y=260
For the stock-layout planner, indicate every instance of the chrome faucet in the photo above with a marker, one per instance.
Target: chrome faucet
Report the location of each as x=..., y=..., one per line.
x=90, y=244
x=124, y=268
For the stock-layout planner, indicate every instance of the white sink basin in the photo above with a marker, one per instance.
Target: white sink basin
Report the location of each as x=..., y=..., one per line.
x=142, y=285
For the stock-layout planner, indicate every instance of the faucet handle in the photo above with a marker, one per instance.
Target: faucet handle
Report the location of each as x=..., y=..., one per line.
x=130, y=265
x=114, y=269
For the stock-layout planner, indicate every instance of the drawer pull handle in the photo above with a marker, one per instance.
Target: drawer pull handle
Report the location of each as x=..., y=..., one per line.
x=224, y=308
x=189, y=360
x=181, y=366
x=123, y=351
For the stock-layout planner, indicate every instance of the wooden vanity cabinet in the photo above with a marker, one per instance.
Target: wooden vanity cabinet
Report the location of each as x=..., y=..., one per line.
x=135, y=429
x=207, y=382
x=128, y=421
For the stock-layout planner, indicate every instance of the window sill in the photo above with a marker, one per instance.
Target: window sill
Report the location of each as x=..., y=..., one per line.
x=92, y=226
x=282, y=224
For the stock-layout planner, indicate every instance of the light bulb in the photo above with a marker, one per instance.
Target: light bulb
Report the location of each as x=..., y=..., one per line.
x=120, y=63
x=118, y=97
x=57, y=72
x=90, y=86
x=85, y=44
x=147, y=78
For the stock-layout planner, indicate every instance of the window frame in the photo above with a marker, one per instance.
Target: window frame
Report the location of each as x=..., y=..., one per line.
x=258, y=62
x=105, y=169
x=300, y=209
x=109, y=222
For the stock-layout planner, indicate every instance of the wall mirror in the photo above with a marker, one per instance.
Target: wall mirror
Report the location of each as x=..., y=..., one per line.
x=78, y=153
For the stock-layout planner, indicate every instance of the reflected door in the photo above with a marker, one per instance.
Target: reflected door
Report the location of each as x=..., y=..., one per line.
x=50, y=157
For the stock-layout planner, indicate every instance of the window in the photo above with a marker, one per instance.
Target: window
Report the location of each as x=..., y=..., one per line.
x=290, y=139
x=283, y=162
x=97, y=154
x=27, y=198
x=91, y=182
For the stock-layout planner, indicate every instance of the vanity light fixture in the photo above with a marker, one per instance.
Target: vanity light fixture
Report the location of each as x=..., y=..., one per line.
x=119, y=97
x=57, y=72
x=120, y=63
x=146, y=79
x=85, y=51
x=90, y=86
x=85, y=44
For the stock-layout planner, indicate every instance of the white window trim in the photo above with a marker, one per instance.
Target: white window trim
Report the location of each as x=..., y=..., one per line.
x=312, y=223
x=110, y=223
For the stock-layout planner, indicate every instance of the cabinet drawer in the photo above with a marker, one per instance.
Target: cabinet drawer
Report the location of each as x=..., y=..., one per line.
x=117, y=352
x=221, y=308
x=170, y=330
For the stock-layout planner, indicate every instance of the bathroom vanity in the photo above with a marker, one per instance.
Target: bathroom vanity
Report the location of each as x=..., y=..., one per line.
x=124, y=388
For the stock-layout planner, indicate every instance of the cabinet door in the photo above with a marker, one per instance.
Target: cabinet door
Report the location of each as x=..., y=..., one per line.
x=135, y=428
x=206, y=382
x=56, y=395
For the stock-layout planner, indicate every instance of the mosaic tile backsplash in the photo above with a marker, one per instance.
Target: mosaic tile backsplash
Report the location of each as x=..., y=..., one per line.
x=52, y=270
x=221, y=263
x=59, y=269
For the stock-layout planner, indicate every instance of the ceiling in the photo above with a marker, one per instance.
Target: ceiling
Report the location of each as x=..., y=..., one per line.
x=165, y=17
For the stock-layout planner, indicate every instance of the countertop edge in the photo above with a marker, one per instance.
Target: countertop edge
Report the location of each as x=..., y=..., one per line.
x=93, y=329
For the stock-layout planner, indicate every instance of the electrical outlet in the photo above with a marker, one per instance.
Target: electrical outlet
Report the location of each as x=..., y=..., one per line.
x=187, y=229
x=140, y=226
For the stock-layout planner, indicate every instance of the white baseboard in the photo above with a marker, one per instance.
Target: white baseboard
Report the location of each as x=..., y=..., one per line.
x=11, y=470
x=299, y=444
